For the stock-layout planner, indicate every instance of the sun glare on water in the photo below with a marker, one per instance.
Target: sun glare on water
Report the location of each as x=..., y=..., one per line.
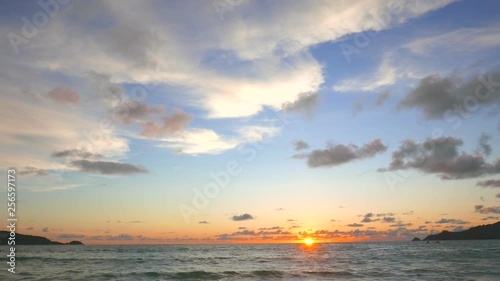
x=308, y=241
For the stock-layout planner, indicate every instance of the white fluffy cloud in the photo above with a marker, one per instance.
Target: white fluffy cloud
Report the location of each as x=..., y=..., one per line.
x=256, y=57
x=35, y=130
x=275, y=65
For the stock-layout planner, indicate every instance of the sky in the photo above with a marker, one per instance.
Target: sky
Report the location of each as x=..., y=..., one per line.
x=245, y=121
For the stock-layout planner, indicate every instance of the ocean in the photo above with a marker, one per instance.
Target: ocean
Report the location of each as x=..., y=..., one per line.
x=447, y=260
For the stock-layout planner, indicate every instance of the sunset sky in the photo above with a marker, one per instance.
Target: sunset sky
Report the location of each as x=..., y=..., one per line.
x=233, y=121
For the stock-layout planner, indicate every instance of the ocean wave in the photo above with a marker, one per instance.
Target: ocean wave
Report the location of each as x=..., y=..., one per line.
x=329, y=273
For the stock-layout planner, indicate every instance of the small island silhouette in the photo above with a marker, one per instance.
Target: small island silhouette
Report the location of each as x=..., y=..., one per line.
x=488, y=231
x=23, y=239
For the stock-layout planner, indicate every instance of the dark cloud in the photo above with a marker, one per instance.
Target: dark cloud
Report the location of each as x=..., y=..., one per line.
x=64, y=95
x=243, y=217
x=299, y=145
x=484, y=146
x=271, y=228
x=244, y=232
x=441, y=156
x=487, y=210
x=439, y=97
x=498, y=195
x=107, y=168
x=203, y=222
x=355, y=225
x=171, y=124
x=388, y=219
x=30, y=228
x=434, y=95
x=75, y=153
x=453, y=221
x=291, y=220
x=382, y=98
x=427, y=222
x=305, y=104
x=32, y=171
x=339, y=154
x=409, y=213
x=45, y=229
x=131, y=111
x=458, y=229
x=70, y=236
x=489, y=183
x=369, y=218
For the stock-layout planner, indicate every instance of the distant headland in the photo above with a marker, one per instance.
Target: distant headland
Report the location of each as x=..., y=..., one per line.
x=488, y=231
x=23, y=239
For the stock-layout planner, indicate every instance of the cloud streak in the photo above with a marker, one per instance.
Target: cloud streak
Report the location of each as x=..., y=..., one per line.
x=107, y=168
x=452, y=221
x=340, y=154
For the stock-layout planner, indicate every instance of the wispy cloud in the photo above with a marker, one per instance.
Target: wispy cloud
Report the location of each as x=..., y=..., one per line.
x=452, y=221
x=466, y=39
x=75, y=153
x=33, y=171
x=107, y=168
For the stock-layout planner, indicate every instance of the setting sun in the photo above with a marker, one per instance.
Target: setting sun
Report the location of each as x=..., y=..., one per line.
x=308, y=241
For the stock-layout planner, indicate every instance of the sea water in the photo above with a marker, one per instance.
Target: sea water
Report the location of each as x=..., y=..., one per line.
x=447, y=260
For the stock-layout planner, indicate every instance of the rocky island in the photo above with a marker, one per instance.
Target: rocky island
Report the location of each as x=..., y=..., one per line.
x=488, y=231
x=23, y=239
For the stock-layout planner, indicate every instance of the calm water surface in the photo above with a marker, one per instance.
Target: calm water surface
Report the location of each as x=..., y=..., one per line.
x=452, y=260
